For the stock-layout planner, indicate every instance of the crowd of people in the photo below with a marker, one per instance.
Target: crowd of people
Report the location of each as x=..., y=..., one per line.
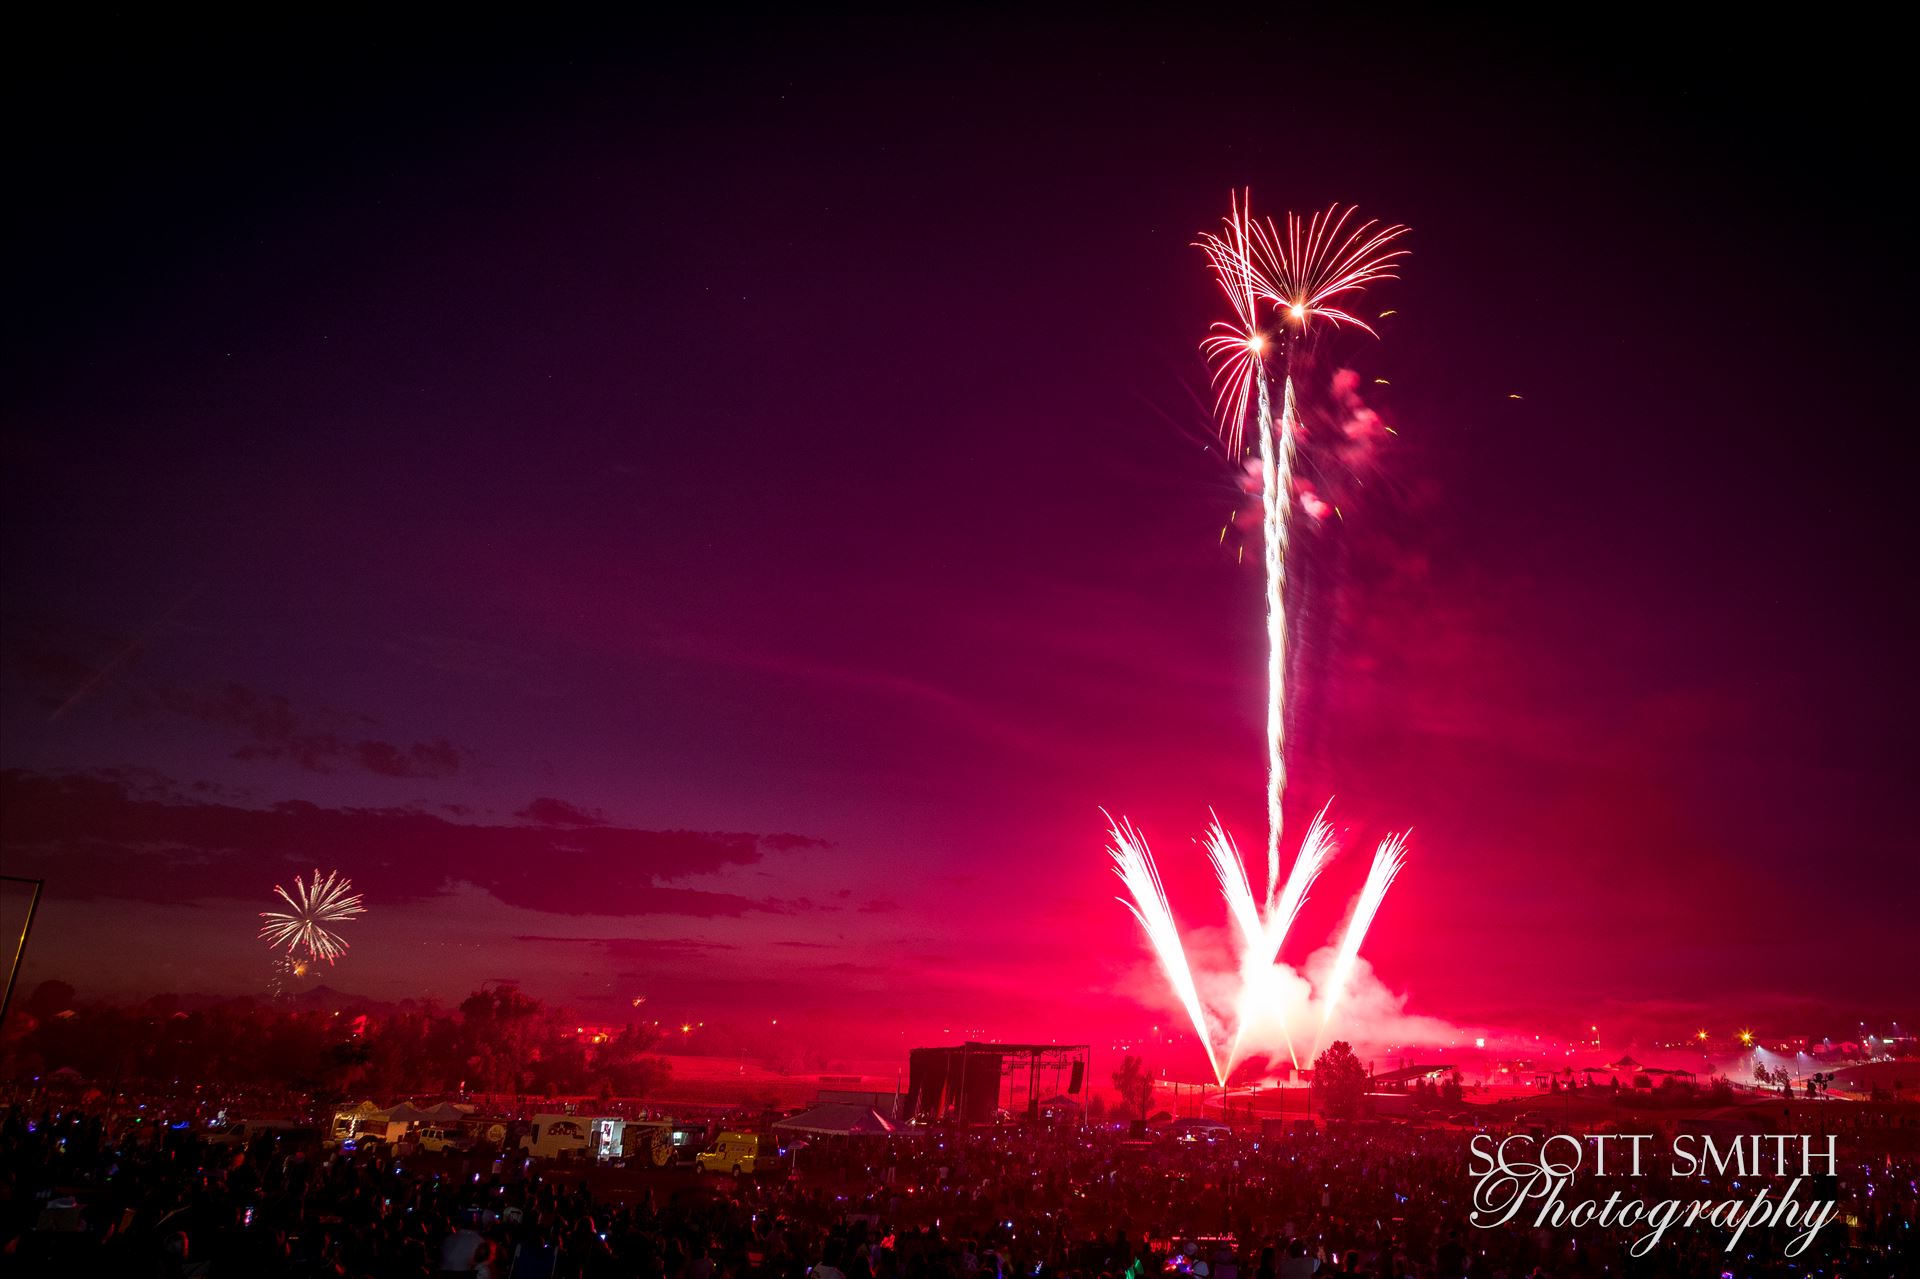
x=143, y=1191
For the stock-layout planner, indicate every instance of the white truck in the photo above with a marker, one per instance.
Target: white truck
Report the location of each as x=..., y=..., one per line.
x=600, y=1137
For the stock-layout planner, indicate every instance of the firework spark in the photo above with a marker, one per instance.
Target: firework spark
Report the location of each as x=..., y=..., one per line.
x=313, y=910
x=1133, y=863
x=1387, y=860
x=1235, y=890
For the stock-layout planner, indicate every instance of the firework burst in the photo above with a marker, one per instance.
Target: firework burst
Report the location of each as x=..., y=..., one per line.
x=314, y=909
x=1236, y=348
x=1319, y=259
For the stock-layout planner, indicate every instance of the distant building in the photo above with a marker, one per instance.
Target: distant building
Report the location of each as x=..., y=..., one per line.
x=1406, y=1077
x=886, y=1104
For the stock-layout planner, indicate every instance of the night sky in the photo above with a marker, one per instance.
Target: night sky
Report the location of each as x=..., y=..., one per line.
x=712, y=514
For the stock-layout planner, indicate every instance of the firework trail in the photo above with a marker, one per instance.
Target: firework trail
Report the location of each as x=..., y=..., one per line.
x=313, y=908
x=1133, y=863
x=1298, y=274
x=1387, y=860
x=1276, y=507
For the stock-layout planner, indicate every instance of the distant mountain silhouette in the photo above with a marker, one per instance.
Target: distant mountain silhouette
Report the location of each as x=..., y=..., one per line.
x=322, y=998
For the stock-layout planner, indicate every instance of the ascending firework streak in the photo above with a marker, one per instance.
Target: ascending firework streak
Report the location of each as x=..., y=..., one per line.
x=311, y=908
x=1299, y=274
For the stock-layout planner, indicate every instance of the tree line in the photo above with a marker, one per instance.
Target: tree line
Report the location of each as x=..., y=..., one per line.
x=498, y=1041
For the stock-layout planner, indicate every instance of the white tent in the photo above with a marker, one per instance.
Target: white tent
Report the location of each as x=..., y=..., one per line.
x=838, y=1120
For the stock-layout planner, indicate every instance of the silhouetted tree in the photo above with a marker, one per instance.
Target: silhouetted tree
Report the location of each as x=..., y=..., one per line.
x=49, y=999
x=501, y=1028
x=1339, y=1080
x=1135, y=1086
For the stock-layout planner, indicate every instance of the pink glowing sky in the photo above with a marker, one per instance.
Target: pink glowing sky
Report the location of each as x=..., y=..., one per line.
x=708, y=539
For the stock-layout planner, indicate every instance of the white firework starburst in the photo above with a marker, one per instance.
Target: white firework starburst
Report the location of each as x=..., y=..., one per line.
x=314, y=909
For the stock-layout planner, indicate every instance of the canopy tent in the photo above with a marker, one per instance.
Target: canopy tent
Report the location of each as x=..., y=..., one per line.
x=444, y=1113
x=838, y=1120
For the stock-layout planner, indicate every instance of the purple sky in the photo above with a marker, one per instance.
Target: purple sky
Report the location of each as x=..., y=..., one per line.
x=714, y=516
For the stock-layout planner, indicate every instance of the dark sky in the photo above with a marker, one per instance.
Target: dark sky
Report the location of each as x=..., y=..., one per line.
x=713, y=513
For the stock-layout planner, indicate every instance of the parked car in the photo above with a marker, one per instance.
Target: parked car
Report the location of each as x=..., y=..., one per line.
x=1197, y=1130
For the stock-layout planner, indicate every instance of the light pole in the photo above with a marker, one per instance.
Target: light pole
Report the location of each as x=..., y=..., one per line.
x=20, y=950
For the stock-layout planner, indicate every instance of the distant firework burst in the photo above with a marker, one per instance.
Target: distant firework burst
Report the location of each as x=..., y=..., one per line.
x=1277, y=285
x=286, y=971
x=314, y=909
